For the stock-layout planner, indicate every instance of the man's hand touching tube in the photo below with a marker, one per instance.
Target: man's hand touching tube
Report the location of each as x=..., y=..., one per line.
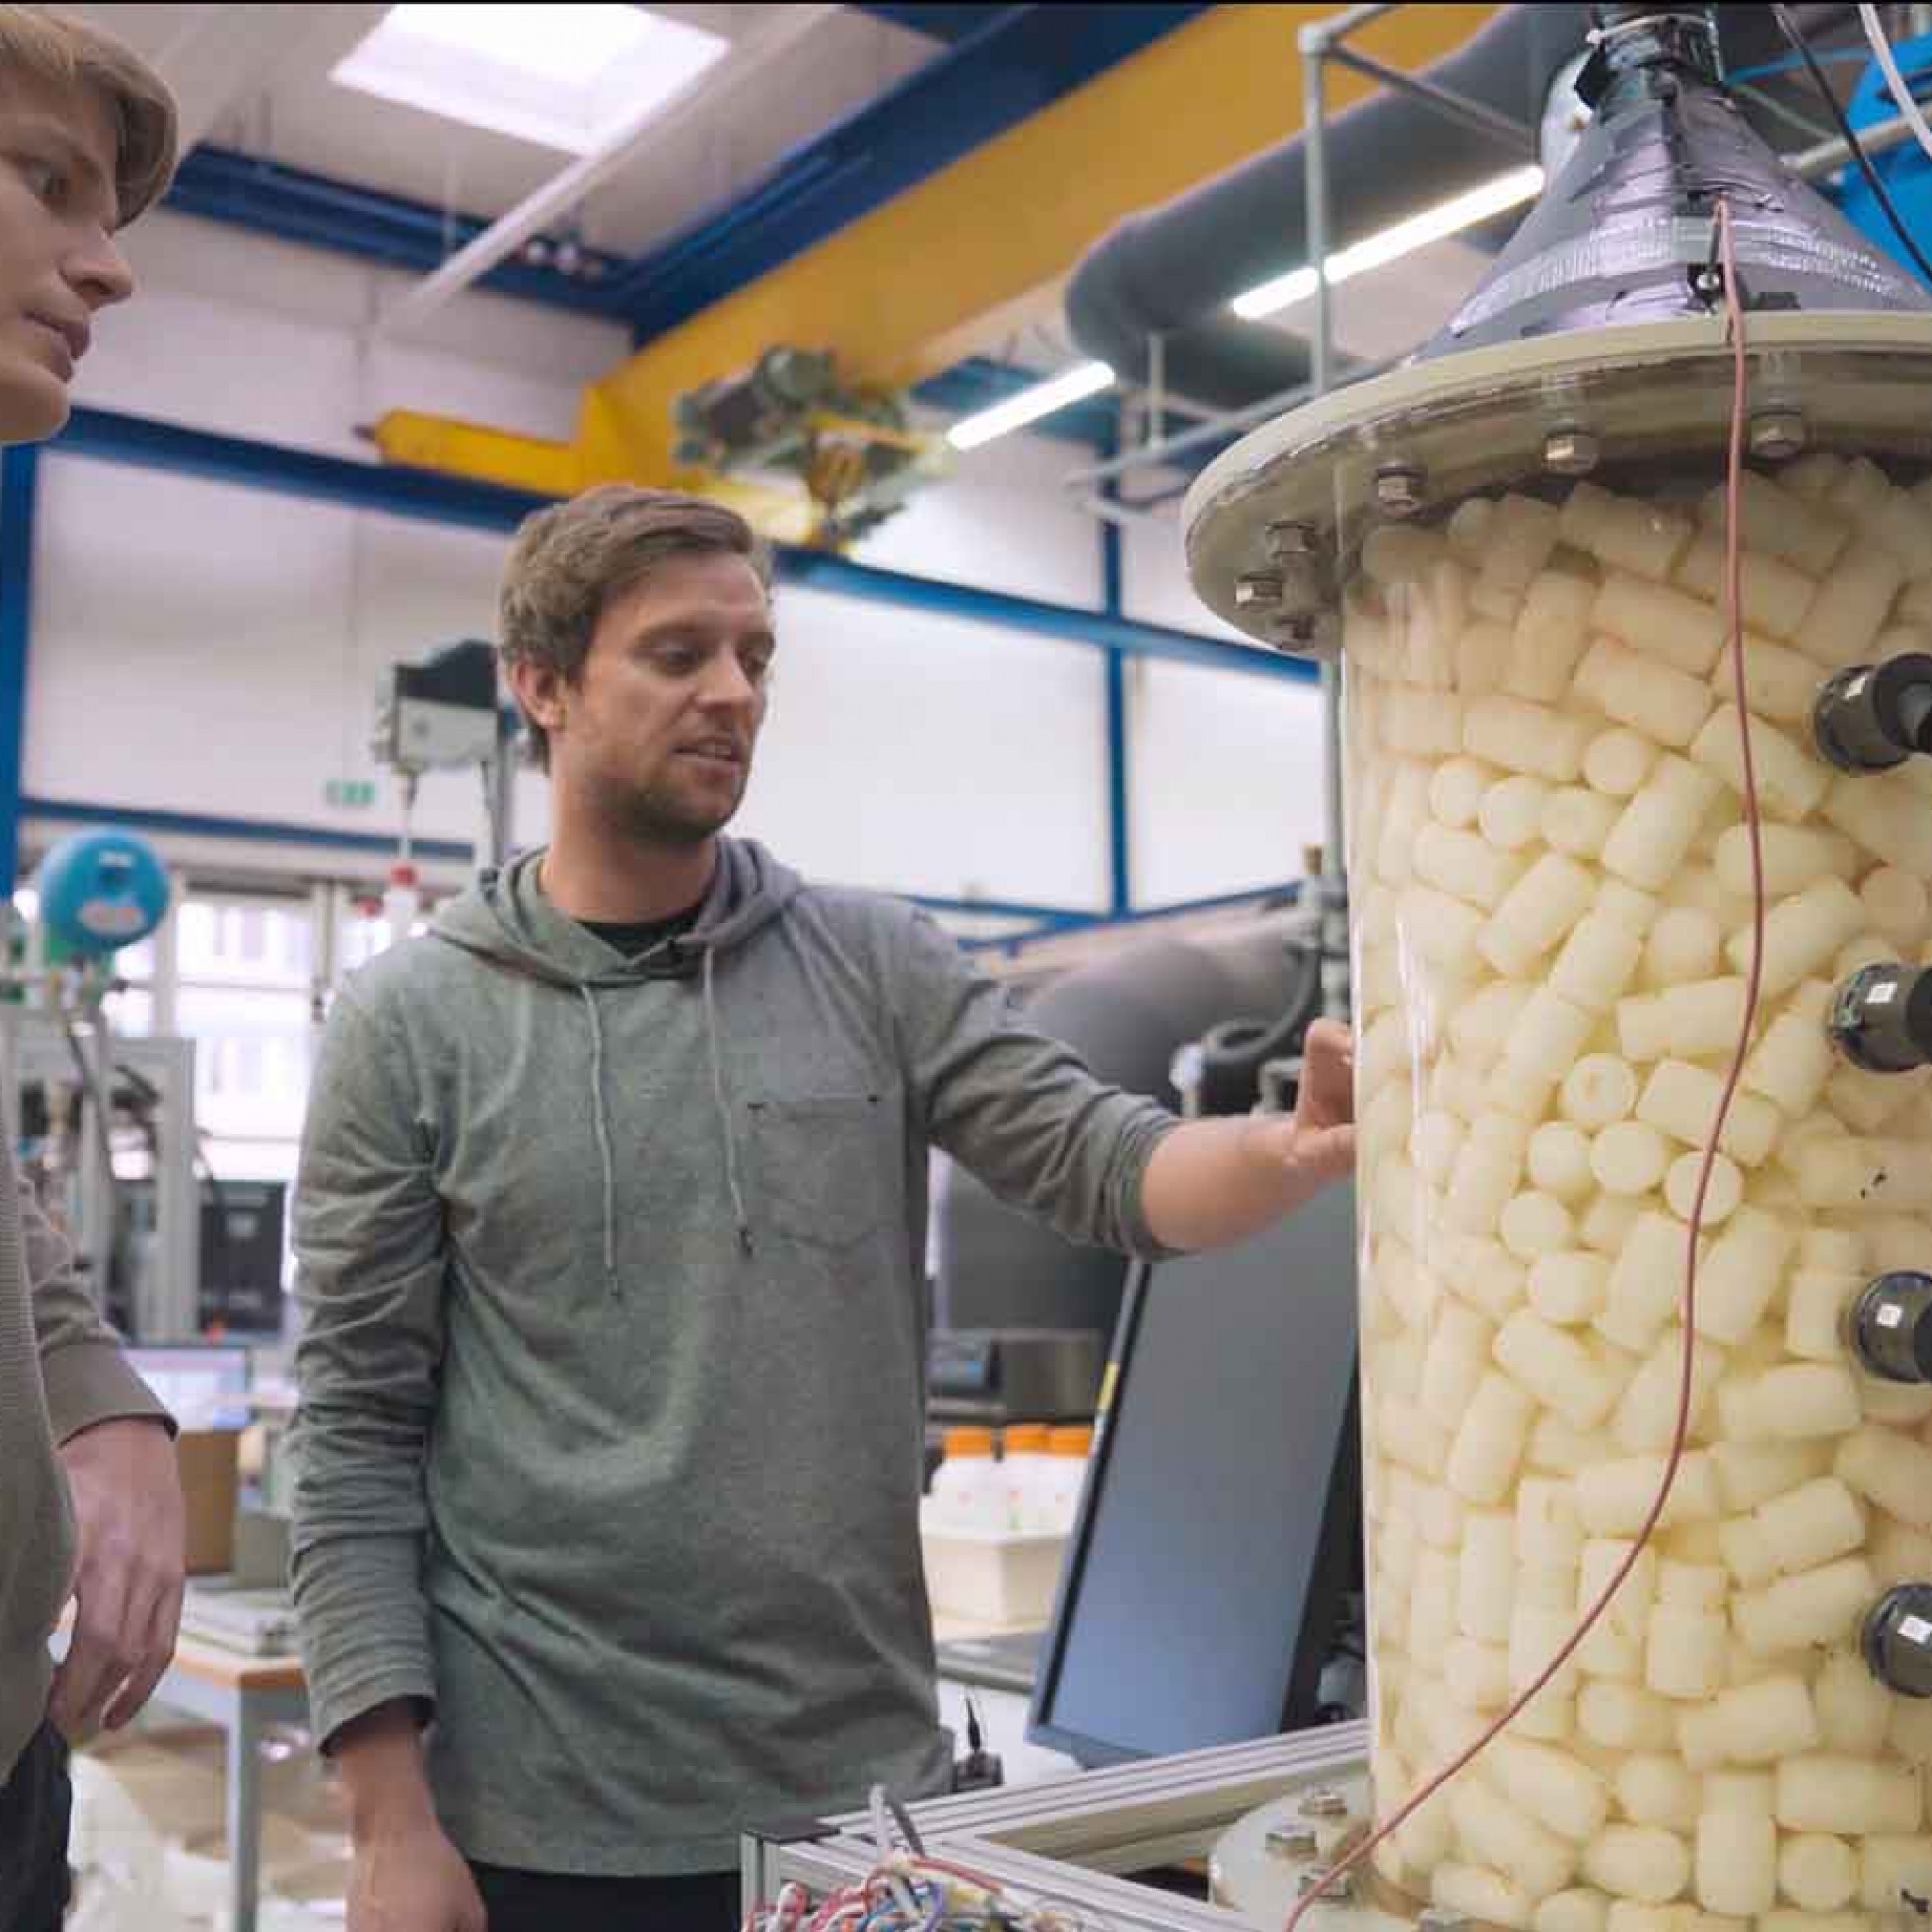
x=404, y=1874
x=128, y=1514
x=1213, y=1182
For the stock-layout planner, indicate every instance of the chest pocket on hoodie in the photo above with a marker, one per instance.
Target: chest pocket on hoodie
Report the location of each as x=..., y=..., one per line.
x=827, y=1167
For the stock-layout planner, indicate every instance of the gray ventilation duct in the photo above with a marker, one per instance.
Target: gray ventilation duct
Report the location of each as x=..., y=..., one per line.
x=1126, y=1016
x=1172, y=270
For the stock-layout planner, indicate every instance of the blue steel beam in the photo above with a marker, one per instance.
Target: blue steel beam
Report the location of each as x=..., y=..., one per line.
x=252, y=831
x=394, y=489
x=293, y=205
x=19, y=476
x=1120, y=805
x=1022, y=59
x=267, y=832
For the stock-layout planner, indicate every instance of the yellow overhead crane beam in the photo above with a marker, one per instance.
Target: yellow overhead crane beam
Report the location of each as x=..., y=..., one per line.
x=950, y=267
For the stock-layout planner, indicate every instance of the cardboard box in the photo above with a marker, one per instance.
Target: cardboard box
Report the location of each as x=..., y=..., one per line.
x=211, y=1483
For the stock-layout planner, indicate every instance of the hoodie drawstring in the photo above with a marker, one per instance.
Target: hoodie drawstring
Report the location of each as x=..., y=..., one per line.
x=602, y=1125
x=722, y=1103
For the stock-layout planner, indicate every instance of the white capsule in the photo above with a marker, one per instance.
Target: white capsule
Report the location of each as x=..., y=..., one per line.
x=1556, y=1368
x=1598, y=1090
x=1679, y=632
x=1821, y=1607
x=1638, y=1861
x=1629, y=1157
x=1550, y=634
x=1751, y=1723
x=1659, y=824
x=1682, y=1100
x=1578, y=820
x=1737, y=1866
x=1791, y=783
x=1597, y=964
x=1625, y=1717
x=1795, y=1403
x=1773, y=597
x=1813, y=1524
x=1891, y=1471
x=1896, y=904
x=1684, y=1652
x=1666, y=705
x=1853, y=1796
x=1724, y=1190
x=1780, y=523
x=1539, y=909
x=1524, y=737
x=1750, y=1474
x=1617, y=762
x=1851, y=607
x=1741, y=1277
x=1511, y=812
x=1817, y=1873
x=1466, y=865
x=1559, y=1162
x=1489, y=1446
x=1791, y=1063
x=1456, y=789
x=1683, y=945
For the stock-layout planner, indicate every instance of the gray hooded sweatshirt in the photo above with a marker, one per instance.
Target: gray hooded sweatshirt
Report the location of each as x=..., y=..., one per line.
x=60, y=1371
x=609, y=1444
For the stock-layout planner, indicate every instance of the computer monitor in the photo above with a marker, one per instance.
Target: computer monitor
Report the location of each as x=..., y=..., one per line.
x=204, y=1384
x=1219, y=1532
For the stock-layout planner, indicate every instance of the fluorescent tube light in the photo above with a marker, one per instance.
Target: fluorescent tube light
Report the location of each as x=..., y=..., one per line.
x=1030, y=405
x=1390, y=244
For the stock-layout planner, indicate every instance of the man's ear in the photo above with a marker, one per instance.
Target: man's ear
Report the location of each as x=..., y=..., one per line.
x=538, y=689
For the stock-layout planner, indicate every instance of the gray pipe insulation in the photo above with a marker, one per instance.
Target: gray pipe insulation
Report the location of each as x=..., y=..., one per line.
x=1172, y=269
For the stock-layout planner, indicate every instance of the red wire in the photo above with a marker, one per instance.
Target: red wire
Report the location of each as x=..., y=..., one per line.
x=1734, y=632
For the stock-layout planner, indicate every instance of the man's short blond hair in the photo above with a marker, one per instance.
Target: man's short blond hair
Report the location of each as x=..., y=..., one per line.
x=570, y=561
x=70, y=53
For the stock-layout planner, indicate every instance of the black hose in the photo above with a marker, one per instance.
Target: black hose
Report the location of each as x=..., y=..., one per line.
x=1234, y=1053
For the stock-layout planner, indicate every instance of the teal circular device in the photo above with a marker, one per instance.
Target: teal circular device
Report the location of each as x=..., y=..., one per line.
x=101, y=889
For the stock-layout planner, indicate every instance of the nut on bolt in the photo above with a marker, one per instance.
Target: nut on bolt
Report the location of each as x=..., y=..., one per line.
x=1258, y=587
x=1288, y=536
x=1325, y=1802
x=1571, y=452
x=1776, y=435
x=1399, y=489
x=1291, y=1841
x=1339, y=1893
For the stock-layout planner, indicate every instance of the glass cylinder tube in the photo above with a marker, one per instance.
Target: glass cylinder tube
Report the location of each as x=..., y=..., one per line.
x=1551, y=922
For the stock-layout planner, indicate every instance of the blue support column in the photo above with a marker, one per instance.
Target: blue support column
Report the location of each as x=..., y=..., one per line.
x=1118, y=813
x=19, y=472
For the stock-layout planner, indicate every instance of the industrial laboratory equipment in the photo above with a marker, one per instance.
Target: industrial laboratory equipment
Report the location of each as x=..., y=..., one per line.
x=1518, y=546
x=71, y=1087
x=446, y=714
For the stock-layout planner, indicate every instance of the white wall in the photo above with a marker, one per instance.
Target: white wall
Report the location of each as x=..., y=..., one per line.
x=923, y=755
x=999, y=520
x=1224, y=775
x=212, y=651
x=1153, y=579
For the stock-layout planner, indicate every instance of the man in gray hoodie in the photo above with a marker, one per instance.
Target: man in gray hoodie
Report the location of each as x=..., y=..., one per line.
x=89, y=1503
x=611, y=1232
